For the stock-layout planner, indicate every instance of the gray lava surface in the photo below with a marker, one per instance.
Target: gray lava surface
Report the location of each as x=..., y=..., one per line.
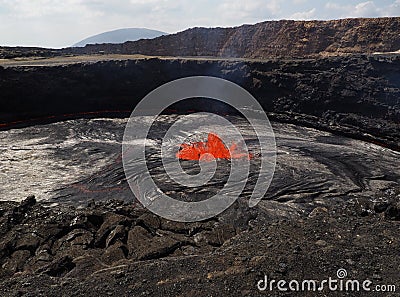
x=79, y=160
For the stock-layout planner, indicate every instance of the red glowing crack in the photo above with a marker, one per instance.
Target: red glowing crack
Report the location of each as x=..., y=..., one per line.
x=211, y=149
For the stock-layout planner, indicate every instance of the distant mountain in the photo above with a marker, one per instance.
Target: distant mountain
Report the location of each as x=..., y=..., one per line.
x=121, y=36
x=269, y=39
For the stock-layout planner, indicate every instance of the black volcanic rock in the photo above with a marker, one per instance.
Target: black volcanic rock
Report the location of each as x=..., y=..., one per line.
x=8, y=52
x=355, y=95
x=173, y=262
x=56, y=240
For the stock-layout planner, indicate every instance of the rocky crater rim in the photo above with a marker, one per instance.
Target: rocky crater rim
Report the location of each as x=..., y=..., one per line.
x=356, y=95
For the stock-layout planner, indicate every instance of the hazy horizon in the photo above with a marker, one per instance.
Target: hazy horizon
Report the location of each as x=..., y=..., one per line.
x=53, y=24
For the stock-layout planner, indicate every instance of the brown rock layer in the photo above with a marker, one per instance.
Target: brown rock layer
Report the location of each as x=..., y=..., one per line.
x=270, y=39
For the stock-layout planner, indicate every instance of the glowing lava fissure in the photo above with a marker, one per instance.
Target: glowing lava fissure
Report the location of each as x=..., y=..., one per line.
x=213, y=147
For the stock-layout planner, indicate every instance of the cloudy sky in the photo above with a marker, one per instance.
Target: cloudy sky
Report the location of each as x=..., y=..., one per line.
x=55, y=23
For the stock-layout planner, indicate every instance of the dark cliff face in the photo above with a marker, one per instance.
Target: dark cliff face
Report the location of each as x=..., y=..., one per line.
x=270, y=39
x=355, y=95
x=9, y=52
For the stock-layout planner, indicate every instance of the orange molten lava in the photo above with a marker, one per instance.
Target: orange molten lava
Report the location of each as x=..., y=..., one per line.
x=213, y=146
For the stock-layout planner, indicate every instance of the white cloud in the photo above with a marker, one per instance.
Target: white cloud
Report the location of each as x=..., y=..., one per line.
x=299, y=1
x=366, y=9
x=62, y=23
x=239, y=5
x=42, y=8
x=363, y=9
x=306, y=15
x=237, y=11
x=394, y=9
